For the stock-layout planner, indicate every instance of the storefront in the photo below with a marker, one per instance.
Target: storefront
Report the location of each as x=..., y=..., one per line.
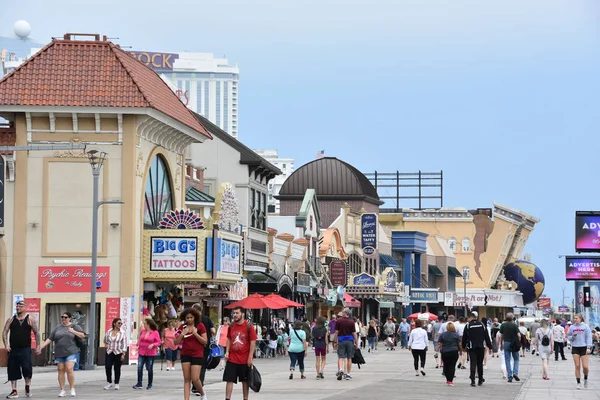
x=378, y=294
x=490, y=303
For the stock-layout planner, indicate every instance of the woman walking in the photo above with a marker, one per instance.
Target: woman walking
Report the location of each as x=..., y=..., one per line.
x=116, y=344
x=449, y=346
x=168, y=341
x=321, y=345
x=418, y=343
x=580, y=337
x=193, y=336
x=372, y=335
x=298, y=349
x=524, y=341
x=363, y=335
x=148, y=345
x=222, y=335
x=545, y=343
x=65, y=351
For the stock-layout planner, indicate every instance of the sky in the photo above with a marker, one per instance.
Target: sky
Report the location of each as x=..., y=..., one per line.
x=502, y=95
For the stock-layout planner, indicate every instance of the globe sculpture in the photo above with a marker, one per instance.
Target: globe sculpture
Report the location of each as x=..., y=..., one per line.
x=527, y=278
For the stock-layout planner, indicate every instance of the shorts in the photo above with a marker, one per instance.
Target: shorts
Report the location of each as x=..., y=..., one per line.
x=346, y=349
x=235, y=372
x=72, y=358
x=331, y=337
x=580, y=351
x=19, y=362
x=192, y=360
x=435, y=344
x=320, y=351
x=171, y=355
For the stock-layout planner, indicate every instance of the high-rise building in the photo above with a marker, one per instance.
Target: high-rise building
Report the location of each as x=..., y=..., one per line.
x=287, y=167
x=206, y=85
x=14, y=51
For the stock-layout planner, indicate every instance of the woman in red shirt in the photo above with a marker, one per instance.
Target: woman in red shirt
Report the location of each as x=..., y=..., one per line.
x=193, y=336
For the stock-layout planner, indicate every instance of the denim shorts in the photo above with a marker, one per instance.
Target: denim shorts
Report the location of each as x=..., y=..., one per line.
x=72, y=358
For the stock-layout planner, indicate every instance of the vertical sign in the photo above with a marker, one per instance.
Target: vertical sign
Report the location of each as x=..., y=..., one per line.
x=2, y=176
x=113, y=310
x=338, y=273
x=125, y=315
x=369, y=233
x=33, y=309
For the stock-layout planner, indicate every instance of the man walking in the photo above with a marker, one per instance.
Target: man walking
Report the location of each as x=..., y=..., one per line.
x=535, y=325
x=17, y=341
x=239, y=353
x=475, y=338
x=511, y=339
x=332, y=329
x=389, y=329
x=404, y=330
x=345, y=341
x=558, y=334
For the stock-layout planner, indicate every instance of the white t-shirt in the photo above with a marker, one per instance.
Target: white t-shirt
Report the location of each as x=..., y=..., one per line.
x=418, y=339
x=460, y=328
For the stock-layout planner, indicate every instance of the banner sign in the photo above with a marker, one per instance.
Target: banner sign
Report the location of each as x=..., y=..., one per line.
x=34, y=307
x=369, y=233
x=363, y=279
x=72, y=279
x=563, y=309
x=544, y=302
x=582, y=268
x=338, y=273
x=587, y=231
x=174, y=254
x=126, y=314
x=391, y=278
x=113, y=310
x=423, y=296
x=230, y=257
x=156, y=61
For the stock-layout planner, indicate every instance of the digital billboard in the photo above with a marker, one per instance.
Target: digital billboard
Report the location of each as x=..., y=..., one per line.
x=587, y=231
x=582, y=268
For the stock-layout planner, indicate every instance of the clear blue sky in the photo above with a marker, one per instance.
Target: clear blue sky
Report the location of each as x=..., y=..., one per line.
x=501, y=95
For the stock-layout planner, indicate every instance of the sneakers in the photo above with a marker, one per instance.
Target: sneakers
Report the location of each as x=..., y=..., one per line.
x=318, y=377
x=148, y=387
x=28, y=394
x=449, y=384
x=321, y=374
x=340, y=375
x=109, y=386
x=472, y=383
x=480, y=382
x=423, y=372
x=73, y=394
x=204, y=397
x=348, y=377
x=116, y=386
x=585, y=383
x=138, y=386
x=416, y=373
x=62, y=393
x=13, y=395
x=168, y=368
x=579, y=386
x=516, y=378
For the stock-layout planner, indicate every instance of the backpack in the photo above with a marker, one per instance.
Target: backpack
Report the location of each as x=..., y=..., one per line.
x=545, y=338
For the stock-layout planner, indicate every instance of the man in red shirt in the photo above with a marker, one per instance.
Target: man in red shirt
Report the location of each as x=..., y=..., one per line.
x=239, y=353
x=345, y=342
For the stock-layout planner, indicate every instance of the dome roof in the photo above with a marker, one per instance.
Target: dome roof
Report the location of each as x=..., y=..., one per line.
x=332, y=179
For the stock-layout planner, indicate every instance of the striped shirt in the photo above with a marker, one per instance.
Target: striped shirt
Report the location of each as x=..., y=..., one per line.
x=116, y=344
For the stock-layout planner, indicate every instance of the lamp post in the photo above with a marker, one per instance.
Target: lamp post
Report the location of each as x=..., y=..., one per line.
x=466, y=274
x=96, y=159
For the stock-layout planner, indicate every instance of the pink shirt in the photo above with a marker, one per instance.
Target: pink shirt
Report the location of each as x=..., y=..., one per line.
x=146, y=339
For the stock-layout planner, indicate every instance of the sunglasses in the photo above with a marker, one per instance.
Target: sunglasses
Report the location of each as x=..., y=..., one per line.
x=64, y=316
x=119, y=323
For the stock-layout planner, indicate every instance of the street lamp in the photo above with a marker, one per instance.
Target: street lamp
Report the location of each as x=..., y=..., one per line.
x=465, y=274
x=96, y=159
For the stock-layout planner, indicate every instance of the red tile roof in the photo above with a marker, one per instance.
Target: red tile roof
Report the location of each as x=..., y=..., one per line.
x=8, y=136
x=91, y=74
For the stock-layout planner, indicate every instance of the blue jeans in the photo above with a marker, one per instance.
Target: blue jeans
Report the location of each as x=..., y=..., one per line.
x=299, y=357
x=404, y=339
x=149, y=362
x=372, y=340
x=508, y=353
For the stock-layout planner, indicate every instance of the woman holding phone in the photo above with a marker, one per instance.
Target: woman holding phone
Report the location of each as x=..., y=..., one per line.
x=580, y=336
x=193, y=336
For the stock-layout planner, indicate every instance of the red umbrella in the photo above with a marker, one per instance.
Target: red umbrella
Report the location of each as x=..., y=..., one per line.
x=424, y=316
x=257, y=301
x=283, y=300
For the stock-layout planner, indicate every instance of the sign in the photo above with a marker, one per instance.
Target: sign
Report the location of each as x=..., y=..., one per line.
x=544, y=302
x=230, y=257
x=363, y=279
x=34, y=306
x=587, y=299
x=183, y=96
x=423, y=296
x=302, y=282
x=582, y=268
x=391, y=277
x=591, y=313
x=133, y=353
x=587, y=231
x=72, y=279
x=563, y=309
x=449, y=299
x=113, y=310
x=156, y=61
x=238, y=290
x=126, y=315
x=493, y=299
x=174, y=254
x=338, y=273
x=369, y=233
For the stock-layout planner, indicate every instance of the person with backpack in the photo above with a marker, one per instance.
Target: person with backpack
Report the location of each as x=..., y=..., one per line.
x=239, y=353
x=545, y=342
x=475, y=338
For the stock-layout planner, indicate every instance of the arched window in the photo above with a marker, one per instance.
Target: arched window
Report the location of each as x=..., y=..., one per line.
x=159, y=194
x=466, y=245
x=452, y=244
x=354, y=264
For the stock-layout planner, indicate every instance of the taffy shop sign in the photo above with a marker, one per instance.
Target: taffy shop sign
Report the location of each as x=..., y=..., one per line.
x=174, y=254
x=72, y=279
x=493, y=300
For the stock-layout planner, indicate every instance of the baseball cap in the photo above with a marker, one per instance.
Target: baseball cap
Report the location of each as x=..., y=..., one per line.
x=475, y=313
x=20, y=302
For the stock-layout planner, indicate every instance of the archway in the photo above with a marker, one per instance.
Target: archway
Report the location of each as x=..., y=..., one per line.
x=158, y=193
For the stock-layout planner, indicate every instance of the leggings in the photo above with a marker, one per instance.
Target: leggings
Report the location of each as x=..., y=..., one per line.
x=422, y=354
x=449, y=358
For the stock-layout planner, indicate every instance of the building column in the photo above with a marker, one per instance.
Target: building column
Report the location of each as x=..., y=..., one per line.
x=417, y=270
x=407, y=272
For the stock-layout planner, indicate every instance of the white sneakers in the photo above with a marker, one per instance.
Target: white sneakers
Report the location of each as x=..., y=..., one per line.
x=116, y=386
x=204, y=397
x=72, y=392
x=64, y=394
x=109, y=386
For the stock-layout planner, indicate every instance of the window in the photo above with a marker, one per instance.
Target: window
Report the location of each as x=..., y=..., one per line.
x=258, y=209
x=451, y=283
x=466, y=245
x=354, y=264
x=158, y=198
x=452, y=244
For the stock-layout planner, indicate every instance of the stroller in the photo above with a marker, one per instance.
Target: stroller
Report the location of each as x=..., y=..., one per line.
x=390, y=343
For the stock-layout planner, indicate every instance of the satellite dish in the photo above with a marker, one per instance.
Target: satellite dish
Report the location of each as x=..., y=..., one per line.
x=22, y=29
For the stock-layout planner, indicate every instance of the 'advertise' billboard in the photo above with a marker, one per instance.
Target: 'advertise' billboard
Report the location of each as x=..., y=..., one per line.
x=582, y=268
x=587, y=231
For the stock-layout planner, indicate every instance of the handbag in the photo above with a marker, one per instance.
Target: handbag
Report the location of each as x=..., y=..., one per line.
x=254, y=379
x=214, y=356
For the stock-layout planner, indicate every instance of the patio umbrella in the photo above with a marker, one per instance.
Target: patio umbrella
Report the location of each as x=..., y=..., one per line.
x=257, y=301
x=283, y=300
x=423, y=317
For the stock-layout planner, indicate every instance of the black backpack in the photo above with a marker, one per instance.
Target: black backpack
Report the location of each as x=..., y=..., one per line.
x=546, y=339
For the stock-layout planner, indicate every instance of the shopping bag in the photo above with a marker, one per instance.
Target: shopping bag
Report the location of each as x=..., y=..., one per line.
x=254, y=379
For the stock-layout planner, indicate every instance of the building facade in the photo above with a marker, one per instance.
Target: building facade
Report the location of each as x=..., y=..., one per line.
x=287, y=167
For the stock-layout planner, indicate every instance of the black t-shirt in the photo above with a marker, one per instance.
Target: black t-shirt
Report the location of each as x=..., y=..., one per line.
x=509, y=331
x=207, y=322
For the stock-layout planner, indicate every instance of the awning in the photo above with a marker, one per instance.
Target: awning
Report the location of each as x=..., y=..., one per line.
x=386, y=304
x=350, y=301
x=433, y=269
x=387, y=261
x=454, y=272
